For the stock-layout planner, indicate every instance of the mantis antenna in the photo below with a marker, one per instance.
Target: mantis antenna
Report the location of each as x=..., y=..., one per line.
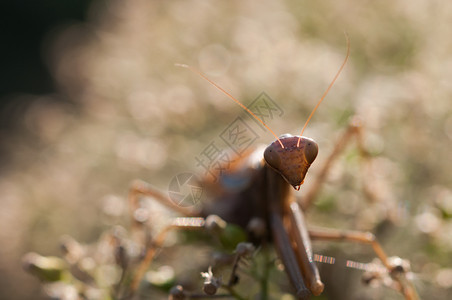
x=328, y=89
x=196, y=71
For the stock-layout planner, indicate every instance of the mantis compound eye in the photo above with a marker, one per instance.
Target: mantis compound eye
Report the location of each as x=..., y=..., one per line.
x=272, y=157
x=311, y=149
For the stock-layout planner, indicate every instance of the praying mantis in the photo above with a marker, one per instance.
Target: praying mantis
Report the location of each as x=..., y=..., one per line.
x=268, y=200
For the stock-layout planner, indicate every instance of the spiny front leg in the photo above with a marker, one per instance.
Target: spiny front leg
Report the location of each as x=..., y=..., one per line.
x=140, y=188
x=288, y=257
x=354, y=130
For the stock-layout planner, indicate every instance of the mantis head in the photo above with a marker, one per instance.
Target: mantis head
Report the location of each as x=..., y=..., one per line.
x=293, y=161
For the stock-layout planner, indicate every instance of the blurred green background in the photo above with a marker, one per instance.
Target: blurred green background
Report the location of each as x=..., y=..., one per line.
x=115, y=108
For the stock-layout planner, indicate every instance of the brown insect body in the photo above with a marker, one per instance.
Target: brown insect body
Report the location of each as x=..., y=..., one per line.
x=268, y=196
x=250, y=199
x=263, y=190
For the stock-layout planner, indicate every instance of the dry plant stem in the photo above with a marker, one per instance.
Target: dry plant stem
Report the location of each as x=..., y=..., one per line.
x=234, y=270
x=264, y=278
x=119, y=286
x=139, y=189
x=405, y=286
x=229, y=286
x=353, y=130
x=157, y=242
x=150, y=253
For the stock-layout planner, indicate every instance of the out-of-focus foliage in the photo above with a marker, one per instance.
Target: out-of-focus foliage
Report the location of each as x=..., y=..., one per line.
x=142, y=117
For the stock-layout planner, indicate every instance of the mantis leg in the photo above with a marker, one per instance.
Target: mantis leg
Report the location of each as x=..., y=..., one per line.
x=140, y=188
x=351, y=236
x=354, y=130
x=303, y=249
x=287, y=256
x=288, y=241
x=405, y=286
